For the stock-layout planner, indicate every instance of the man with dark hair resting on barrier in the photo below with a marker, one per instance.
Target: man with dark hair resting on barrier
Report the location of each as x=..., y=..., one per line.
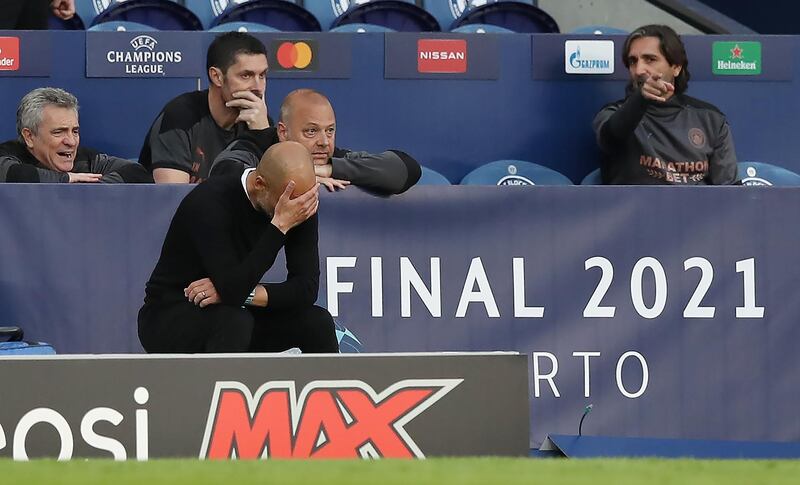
x=204, y=294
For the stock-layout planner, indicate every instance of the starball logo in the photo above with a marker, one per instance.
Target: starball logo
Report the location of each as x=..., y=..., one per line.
x=328, y=419
x=9, y=53
x=442, y=56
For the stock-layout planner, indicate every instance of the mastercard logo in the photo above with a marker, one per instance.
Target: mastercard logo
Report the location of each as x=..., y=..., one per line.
x=295, y=55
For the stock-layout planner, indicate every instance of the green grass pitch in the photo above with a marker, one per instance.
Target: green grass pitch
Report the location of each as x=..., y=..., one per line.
x=388, y=472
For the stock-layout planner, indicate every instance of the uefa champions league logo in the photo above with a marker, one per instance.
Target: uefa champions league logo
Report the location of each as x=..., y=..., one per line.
x=457, y=7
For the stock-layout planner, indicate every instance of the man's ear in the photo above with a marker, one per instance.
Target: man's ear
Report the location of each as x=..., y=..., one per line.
x=27, y=135
x=216, y=76
x=282, y=131
x=676, y=71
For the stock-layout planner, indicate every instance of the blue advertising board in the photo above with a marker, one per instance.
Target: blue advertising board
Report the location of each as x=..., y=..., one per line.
x=672, y=309
x=25, y=53
x=144, y=54
x=585, y=57
x=441, y=56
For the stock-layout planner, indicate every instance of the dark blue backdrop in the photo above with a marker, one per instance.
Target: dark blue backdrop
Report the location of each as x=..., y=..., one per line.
x=450, y=125
x=75, y=259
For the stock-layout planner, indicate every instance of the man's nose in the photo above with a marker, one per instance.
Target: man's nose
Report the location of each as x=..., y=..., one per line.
x=640, y=70
x=70, y=139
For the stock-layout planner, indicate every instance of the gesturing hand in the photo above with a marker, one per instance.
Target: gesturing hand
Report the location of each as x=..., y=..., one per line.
x=655, y=89
x=75, y=178
x=202, y=293
x=291, y=212
x=63, y=9
x=252, y=109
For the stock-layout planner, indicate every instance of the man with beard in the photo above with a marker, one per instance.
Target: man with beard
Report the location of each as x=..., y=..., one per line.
x=195, y=127
x=658, y=134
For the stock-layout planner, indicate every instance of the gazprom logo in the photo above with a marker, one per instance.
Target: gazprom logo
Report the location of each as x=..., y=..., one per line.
x=589, y=57
x=143, y=42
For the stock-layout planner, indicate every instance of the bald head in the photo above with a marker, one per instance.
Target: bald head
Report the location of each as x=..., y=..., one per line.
x=307, y=117
x=285, y=161
x=302, y=98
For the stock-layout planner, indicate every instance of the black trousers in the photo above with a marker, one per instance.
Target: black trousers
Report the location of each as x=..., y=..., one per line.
x=24, y=14
x=182, y=327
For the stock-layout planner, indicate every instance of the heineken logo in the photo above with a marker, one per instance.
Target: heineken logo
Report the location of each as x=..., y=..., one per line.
x=736, y=58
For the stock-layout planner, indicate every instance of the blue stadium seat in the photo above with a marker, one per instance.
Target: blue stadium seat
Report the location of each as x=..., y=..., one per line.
x=119, y=26
x=394, y=14
x=593, y=178
x=757, y=173
x=159, y=14
x=242, y=27
x=447, y=11
x=208, y=10
x=517, y=16
x=514, y=172
x=482, y=29
x=278, y=14
x=329, y=10
x=361, y=28
x=432, y=177
x=599, y=30
x=89, y=10
x=75, y=23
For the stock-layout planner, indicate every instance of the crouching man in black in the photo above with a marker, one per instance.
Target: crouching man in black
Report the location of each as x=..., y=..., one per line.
x=204, y=294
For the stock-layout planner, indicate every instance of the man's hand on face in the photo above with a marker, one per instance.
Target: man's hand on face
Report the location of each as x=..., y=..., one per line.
x=75, y=178
x=252, y=109
x=291, y=212
x=655, y=89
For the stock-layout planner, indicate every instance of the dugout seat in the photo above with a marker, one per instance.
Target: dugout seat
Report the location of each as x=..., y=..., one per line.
x=599, y=30
x=432, y=177
x=758, y=173
x=281, y=15
x=159, y=14
x=398, y=15
x=119, y=26
x=593, y=178
x=514, y=172
x=242, y=27
x=513, y=15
